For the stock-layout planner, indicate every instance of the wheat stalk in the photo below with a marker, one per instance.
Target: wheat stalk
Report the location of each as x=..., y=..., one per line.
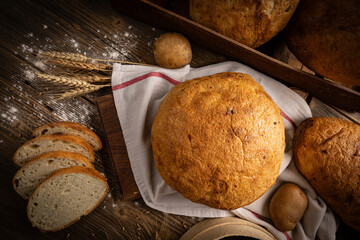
x=82, y=73
x=82, y=65
x=93, y=78
x=65, y=55
x=80, y=91
x=76, y=57
x=69, y=81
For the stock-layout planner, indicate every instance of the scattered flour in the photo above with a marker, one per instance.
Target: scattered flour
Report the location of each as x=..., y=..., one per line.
x=9, y=117
x=25, y=48
x=114, y=54
x=83, y=112
x=75, y=44
x=30, y=75
x=45, y=26
x=13, y=110
x=126, y=34
x=40, y=65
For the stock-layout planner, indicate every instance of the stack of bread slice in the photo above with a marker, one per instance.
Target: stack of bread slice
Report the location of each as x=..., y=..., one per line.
x=57, y=175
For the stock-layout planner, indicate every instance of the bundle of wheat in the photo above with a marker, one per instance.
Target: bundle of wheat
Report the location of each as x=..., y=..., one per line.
x=79, y=74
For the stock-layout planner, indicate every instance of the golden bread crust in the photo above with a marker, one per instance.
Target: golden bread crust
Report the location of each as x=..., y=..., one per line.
x=325, y=37
x=72, y=125
x=327, y=153
x=219, y=140
x=64, y=137
x=249, y=22
x=56, y=154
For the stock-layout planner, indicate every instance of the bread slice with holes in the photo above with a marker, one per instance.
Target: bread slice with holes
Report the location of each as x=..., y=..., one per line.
x=65, y=196
x=33, y=173
x=51, y=143
x=71, y=128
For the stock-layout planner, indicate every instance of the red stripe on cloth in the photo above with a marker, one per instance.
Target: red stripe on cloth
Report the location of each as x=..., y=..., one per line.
x=287, y=236
x=264, y=219
x=289, y=119
x=172, y=81
x=140, y=78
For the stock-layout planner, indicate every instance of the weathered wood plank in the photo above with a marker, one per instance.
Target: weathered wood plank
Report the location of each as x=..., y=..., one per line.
x=87, y=27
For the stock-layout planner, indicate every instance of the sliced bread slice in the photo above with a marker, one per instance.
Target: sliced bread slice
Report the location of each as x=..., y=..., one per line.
x=70, y=128
x=51, y=143
x=33, y=173
x=65, y=196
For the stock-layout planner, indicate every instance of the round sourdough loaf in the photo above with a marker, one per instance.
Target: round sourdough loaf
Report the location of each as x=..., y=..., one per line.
x=325, y=37
x=249, y=22
x=219, y=140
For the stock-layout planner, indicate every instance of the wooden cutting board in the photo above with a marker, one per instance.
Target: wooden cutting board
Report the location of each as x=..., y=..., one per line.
x=116, y=148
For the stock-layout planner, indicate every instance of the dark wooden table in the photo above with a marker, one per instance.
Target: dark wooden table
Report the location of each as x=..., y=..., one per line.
x=94, y=29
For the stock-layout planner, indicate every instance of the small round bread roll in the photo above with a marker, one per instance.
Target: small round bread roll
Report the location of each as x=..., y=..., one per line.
x=172, y=50
x=287, y=206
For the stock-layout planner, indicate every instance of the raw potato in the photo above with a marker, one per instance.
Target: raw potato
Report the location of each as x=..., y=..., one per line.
x=172, y=50
x=287, y=206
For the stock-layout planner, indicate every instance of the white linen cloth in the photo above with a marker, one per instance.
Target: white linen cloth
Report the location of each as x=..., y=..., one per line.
x=138, y=92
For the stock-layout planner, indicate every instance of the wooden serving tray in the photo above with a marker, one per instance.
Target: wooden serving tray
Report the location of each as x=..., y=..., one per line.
x=116, y=148
x=156, y=13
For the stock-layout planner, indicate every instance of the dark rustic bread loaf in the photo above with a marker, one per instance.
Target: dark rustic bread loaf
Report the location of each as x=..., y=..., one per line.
x=325, y=37
x=327, y=153
x=219, y=140
x=249, y=22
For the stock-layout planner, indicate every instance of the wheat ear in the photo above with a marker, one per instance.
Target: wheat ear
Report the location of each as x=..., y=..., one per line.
x=82, y=65
x=81, y=91
x=65, y=55
x=93, y=78
x=69, y=81
x=76, y=57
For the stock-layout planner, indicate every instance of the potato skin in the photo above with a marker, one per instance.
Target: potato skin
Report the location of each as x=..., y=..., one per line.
x=287, y=206
x=172, y=50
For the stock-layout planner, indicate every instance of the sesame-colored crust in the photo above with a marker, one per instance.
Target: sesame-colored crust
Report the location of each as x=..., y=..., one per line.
x=72, y=125
x=249, y=22
x=325, y=37
x=219, y=140
x=327, y=153
x=67, y=138
x=77, y=169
